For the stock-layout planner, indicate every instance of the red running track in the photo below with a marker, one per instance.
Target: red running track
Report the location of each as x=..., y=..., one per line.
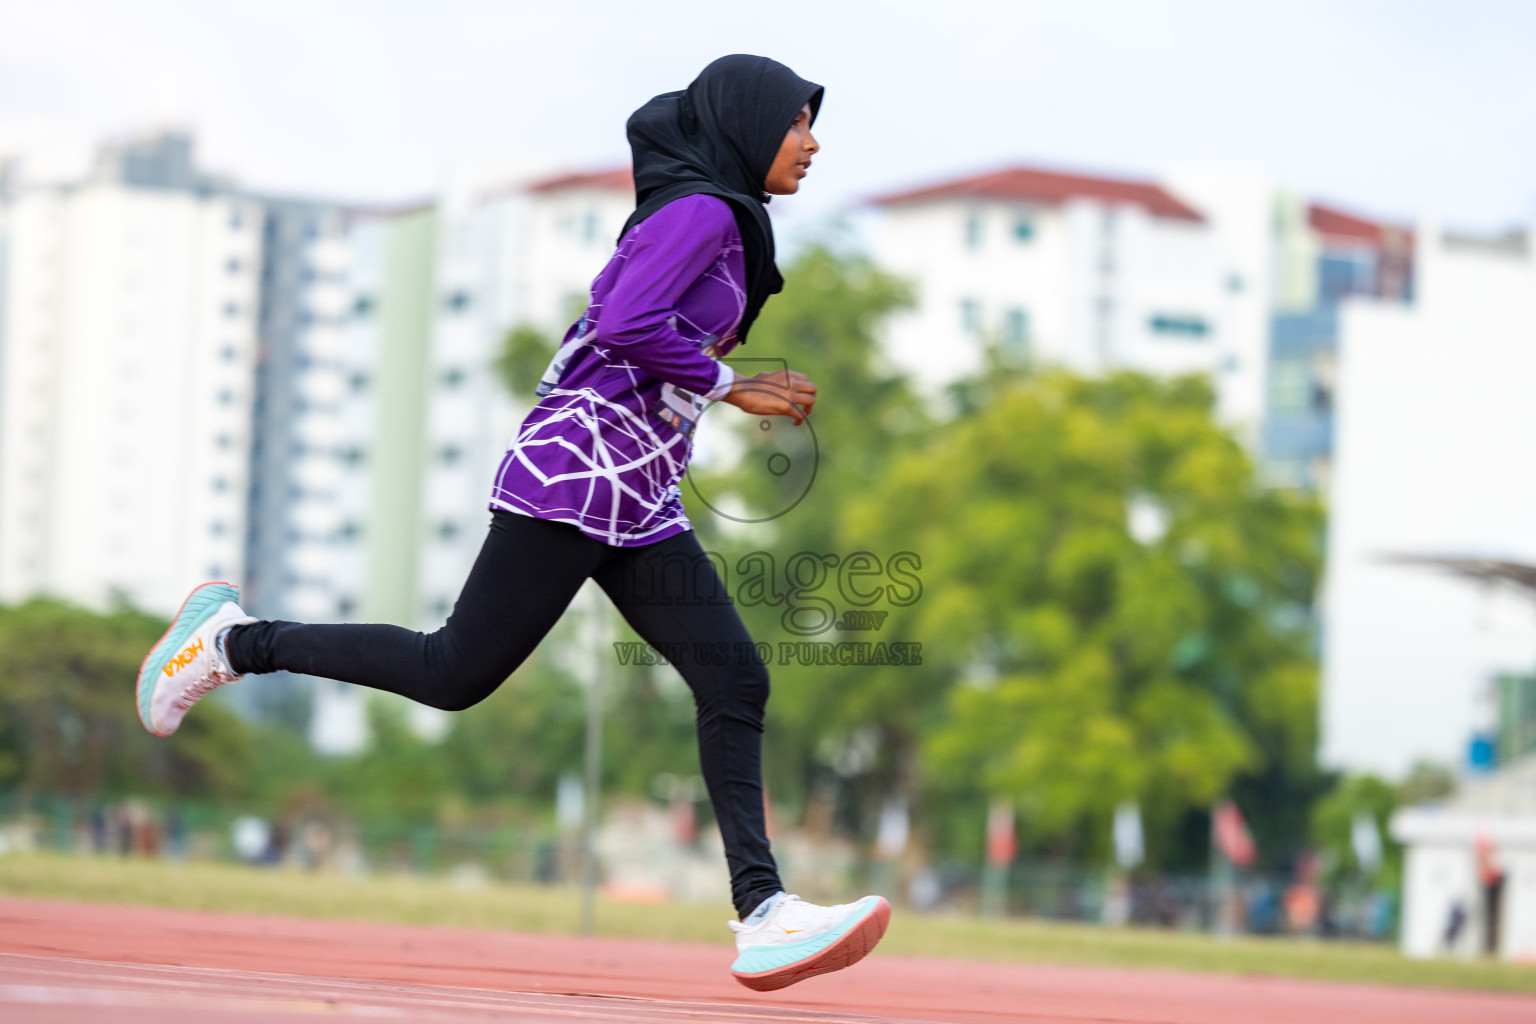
x=124, y=965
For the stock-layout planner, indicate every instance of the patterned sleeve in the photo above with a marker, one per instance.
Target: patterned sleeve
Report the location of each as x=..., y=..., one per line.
x=671, y=250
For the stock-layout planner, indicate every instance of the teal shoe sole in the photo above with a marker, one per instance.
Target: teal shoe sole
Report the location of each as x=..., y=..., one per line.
x=195, y=610
x=777, y=967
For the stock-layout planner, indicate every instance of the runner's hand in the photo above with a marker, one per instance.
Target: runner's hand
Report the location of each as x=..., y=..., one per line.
x=779, y=393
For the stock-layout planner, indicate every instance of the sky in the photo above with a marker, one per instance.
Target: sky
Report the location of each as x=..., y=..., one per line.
x=1393, y=108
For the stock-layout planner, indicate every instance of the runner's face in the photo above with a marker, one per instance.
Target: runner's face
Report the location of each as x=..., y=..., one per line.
x=794, y=157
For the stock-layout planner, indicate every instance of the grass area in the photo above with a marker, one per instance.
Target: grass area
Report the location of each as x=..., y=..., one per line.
x=442, y=901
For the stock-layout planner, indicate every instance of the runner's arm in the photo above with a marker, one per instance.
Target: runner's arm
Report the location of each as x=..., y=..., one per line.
x=677, y=244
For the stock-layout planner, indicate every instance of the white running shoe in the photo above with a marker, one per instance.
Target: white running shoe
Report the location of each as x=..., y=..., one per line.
x=185, y=665
x=796, y=940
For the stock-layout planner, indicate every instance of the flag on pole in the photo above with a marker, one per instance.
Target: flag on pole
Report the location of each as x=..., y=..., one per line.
x=1129, y=845
x=1002, y=843
x=1230, y=833
x=895, y=824
x=1365, y=837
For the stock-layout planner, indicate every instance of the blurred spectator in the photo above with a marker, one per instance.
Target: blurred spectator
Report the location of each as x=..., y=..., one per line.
x=175, y=835
x=1490, y=879
x=1455, y=921
x=98, y=830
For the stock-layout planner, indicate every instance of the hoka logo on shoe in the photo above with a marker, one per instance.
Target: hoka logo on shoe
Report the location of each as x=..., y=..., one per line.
x=183, y=659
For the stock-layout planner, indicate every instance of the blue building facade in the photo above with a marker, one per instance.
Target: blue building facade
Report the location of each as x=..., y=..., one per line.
x=1337, y=256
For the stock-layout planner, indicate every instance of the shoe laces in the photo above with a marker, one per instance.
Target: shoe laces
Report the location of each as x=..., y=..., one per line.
x=218, y=675
x=787, y=902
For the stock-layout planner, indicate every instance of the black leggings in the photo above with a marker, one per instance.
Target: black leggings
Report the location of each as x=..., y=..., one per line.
x=525, y=576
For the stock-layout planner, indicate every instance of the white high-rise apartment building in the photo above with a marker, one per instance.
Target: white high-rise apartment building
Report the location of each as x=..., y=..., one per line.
x=522, y=254
x=127, y=383
x=1088, y=272
x=301, y=391
x=435, y=293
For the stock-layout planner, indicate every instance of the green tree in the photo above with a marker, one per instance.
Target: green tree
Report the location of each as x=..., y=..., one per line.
x=400, y=777
x=69, y=722
x=514, y=745
x=1068, y=664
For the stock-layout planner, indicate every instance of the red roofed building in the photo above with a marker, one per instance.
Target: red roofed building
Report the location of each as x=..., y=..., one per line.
x=1088, y=271
x=1339, y=227
x=613, y=179
x=548, y=236
x=1025, y=184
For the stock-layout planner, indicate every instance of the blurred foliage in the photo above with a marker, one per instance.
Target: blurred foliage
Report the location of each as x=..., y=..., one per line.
x=69, y=727
x=1070, y=665
x=1333, y=816
x=68, y=722
x=1333, y=819
x=525, y=352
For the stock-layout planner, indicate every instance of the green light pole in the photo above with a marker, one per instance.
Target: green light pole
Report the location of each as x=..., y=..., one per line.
x=596, y=635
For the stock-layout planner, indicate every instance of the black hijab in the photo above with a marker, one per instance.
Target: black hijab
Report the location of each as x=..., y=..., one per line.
x=718, y=138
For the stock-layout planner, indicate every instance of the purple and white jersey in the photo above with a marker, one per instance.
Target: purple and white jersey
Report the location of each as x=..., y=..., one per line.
x=609, y=440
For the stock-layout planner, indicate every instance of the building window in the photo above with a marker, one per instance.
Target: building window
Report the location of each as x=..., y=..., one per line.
x=1016, y=329
x=358, y=382
x=228, y=353
x=353, y=456
x=216, y=528
x=223, y=441
x=233, y=266
x=973, y=230
x=589, y=227
x=456, y=302
x=1023, y=229
x=349, y=531
x=970, y=316
x=226, y=397
x=1179, y=326
x=362, y=306
x=447, y=530
x=220, y=485
x=452, y=378
x=449, y=454
x=1290, y=386
x=231, y=310
x=1340, y=274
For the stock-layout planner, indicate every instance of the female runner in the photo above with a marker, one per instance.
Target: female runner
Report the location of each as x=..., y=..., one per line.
x=589, y=489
